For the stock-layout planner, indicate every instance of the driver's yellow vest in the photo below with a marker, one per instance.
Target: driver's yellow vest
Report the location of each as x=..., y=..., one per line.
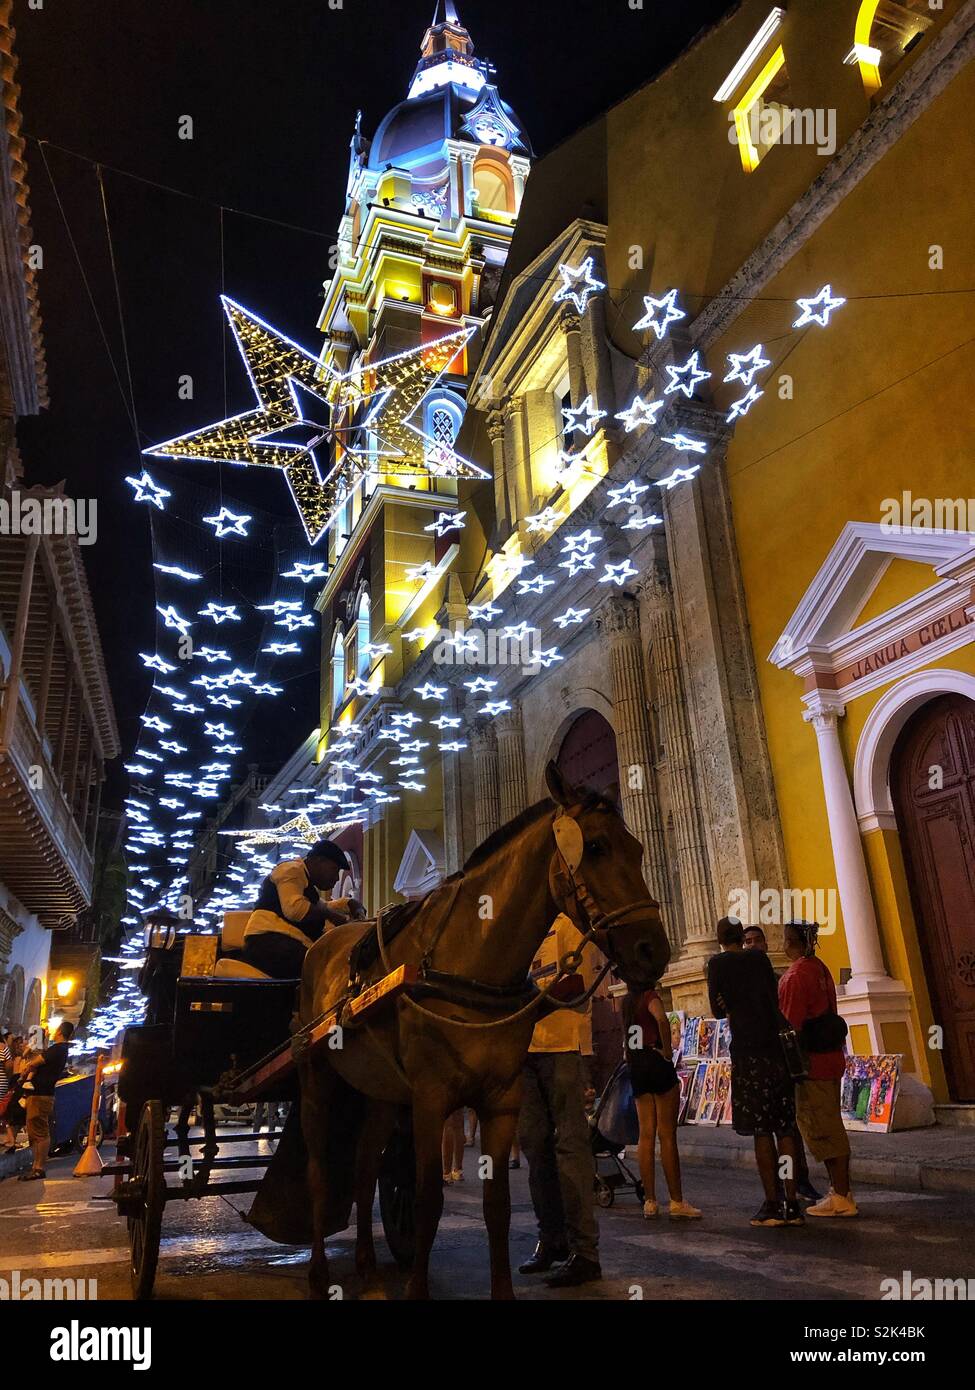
x=565, y=1030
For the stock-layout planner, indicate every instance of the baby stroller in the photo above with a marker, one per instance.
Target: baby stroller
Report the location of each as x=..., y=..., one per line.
x=612, y=1125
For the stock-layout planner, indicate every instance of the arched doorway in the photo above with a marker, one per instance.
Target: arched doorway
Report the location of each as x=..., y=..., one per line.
x=587, y=755
x=932, y=784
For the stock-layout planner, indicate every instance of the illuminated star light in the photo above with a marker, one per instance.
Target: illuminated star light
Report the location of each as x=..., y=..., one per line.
x=582, y=417
x=618, y=574
x=640, y=413
x=189, y=708
x=156, y=663
x=172, y=619
x=684, y=444
x=281, y=648
x=570, y=616
x=480, y=685
x=536, y=585
x=818, y=310
x=152, y=721
x=626, y=495
x=429, y=691
x=420, y=634
x=654, y=308
x=306, y=573
x=517, y=632
x=220, y=612
x=405, y=721
x=543, y=521
x=212, y=654
x=447, y=521
x=484, y=612
x=447, y=721
x=578, y=560
x=679, y=475
x=419, y=574
x=743, y=406
x=686, y=378
x=175, y=569
x=279, y=606
x=454, y=746
x=745, y=366
x=581, y=541
x=642, y=523
x=293, y=621
x=548, y=656
x=495, y=707
x=148, y=491
x=375, y=649
x=237, y=526
x=578, y=284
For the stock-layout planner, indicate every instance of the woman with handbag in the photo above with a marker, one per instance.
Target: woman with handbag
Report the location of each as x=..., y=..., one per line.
x=656, y=1093
x=807, y=998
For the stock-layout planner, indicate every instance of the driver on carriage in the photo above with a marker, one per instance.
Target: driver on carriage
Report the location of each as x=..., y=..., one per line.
x=291, y=914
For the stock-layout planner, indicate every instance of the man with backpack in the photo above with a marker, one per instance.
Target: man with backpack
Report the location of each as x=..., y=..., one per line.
x=807, y=998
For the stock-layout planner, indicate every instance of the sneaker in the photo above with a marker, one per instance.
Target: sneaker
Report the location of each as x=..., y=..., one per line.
x=447, y=1179
x=650, y=1209
x=792, y=1214
x=457, y=1175
x=834, y=1205
x=768, y=1214
x=807, y=1193
x=574, y=1272
x=685, y=1210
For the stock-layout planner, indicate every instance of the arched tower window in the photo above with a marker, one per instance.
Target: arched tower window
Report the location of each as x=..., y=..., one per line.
x=362, y=635
x=885, y=32
x=338, y=667
x=494, y=186
x=443, y=415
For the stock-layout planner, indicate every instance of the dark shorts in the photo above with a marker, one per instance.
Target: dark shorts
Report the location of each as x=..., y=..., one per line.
x=277, y=955
x=762, y=1096
x=651, y=1073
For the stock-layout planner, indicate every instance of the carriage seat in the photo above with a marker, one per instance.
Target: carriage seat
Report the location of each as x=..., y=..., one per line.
x=231, y=966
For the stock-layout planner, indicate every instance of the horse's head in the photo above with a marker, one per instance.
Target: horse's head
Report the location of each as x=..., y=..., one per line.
x=595, y=875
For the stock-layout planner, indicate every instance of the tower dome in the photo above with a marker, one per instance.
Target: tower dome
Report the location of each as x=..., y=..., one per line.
x=451, y=97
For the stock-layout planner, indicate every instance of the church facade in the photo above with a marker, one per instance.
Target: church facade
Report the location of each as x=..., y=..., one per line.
x=719, y=357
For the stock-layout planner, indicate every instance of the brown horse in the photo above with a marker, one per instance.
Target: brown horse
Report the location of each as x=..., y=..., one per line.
x=474, y=939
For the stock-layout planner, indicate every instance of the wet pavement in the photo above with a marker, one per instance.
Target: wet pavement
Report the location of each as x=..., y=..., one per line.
x=59, y=1229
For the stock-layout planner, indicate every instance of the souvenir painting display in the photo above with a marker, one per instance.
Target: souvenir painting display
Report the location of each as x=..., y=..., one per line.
x=868, y=1092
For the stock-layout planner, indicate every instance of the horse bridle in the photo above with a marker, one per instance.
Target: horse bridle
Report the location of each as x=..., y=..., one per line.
x=584, y=912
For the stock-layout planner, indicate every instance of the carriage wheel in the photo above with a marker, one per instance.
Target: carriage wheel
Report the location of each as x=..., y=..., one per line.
x=397, y=1195
x=149, y=1184
x=605, y=1196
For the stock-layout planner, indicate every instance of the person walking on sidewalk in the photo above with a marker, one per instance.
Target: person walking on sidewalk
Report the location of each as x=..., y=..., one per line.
x=656, y=1092
x=552, y=1128
x=807, y=998
x=741, y=988
x=40, y=1077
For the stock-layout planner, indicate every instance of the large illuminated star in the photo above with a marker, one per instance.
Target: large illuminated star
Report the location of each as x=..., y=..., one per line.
x=390, y=392
x=298, y=828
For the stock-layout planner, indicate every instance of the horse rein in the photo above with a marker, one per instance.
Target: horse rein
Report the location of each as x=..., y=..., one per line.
x=570, y=847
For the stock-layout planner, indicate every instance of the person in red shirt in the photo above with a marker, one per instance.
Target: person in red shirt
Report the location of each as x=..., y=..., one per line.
x=807, y=998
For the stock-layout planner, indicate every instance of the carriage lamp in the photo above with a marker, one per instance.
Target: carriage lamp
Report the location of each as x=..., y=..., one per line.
x=65, y=986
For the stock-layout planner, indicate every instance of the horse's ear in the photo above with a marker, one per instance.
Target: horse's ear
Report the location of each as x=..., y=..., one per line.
x=558, y=788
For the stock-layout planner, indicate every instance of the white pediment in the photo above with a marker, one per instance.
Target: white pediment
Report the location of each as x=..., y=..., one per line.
x=825, y=619
x=422, y=865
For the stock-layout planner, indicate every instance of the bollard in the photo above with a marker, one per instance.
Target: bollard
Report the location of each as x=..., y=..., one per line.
x=89, y=1165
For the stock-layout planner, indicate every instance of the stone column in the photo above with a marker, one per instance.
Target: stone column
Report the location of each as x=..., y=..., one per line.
x=496, y=433
x=11, y=692
x=618, y=623
x=519, y=175
x=595, y=350
x=485, y=750
x=689, y=842
x=453, y=821
x=573, y=348
x=512, y=786
x=738, y=804
x=852, y=882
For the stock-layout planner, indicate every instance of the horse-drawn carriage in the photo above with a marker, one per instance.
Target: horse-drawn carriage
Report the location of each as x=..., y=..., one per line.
x=401, y=1022
x=226, y=1038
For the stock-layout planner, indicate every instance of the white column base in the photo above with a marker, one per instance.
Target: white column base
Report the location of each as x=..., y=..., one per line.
x=870, y=1002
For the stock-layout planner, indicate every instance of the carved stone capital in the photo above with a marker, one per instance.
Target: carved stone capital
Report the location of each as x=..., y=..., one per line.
x=483, y=738
x=619, y=616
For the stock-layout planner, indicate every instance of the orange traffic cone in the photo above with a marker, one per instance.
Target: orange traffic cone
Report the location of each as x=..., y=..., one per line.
x=89, y=1165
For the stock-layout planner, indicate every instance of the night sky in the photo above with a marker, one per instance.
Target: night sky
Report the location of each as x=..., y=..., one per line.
x=272, y=89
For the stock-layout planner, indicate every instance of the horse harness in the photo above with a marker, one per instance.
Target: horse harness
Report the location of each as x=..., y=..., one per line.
x=579, y=905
